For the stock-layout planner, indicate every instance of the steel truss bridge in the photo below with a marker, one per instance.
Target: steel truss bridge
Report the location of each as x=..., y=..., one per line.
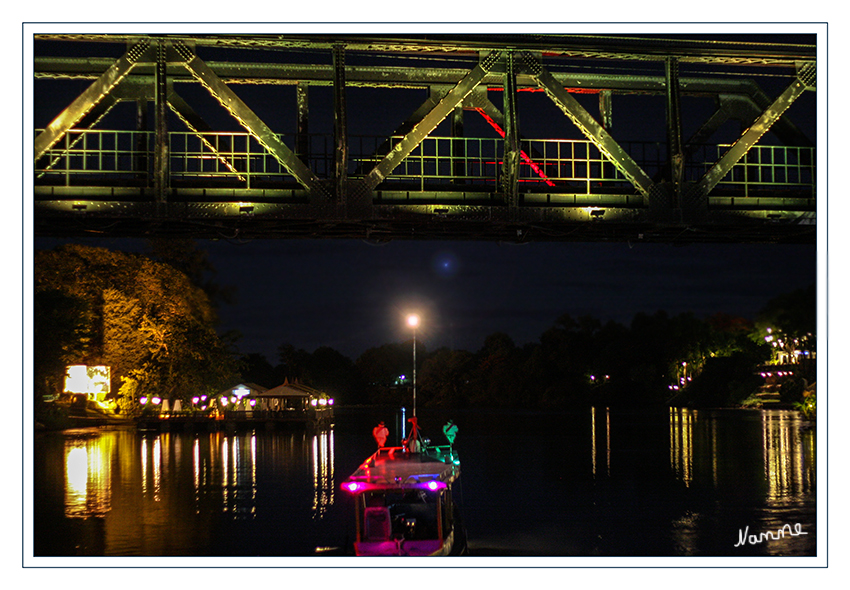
x=488, y=137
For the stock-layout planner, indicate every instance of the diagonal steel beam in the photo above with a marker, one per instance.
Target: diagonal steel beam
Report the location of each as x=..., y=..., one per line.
x=747, y=140
x=196, y=124
x=91, y=119
x=435, y=94
x=594, y=131
x=248, y=119
x=484, y=107
x=89, y=99
x=429, y=122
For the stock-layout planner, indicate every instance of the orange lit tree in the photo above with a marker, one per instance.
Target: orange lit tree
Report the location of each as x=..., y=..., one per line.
x=144, y=319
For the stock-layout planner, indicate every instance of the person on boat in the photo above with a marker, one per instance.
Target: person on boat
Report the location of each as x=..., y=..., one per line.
x=380, y=432
x=413, y=443
x=450, y=430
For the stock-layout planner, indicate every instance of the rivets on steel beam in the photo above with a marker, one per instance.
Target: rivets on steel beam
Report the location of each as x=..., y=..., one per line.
x=489, y=60
x=183, y=51
x=807, y=74
x=530, y=63
x=138, y=50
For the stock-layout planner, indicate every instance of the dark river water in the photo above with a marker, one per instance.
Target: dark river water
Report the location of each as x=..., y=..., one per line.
x=593, y=482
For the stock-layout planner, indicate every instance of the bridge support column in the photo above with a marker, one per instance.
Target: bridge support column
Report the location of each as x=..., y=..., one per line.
x=606, y=109
x=141, y=156
x=510, y=166
x=302, y=139
x=675, y=154
x=160, y=157
x=458, y=147
x=340, y=132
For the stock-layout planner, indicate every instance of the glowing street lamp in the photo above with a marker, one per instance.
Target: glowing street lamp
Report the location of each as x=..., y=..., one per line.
x=413, y=322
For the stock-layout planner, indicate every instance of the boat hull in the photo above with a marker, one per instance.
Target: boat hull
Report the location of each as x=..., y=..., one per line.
x=404, y=547
x=403, y=503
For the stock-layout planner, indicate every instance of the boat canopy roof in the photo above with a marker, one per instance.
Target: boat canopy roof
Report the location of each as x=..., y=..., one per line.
x=394, y=468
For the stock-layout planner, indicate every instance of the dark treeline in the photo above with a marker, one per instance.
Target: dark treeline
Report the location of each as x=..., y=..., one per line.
x=152, y=319
x=657, y=359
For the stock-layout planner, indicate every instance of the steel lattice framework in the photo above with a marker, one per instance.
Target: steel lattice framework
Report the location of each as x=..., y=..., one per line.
x=216, y=135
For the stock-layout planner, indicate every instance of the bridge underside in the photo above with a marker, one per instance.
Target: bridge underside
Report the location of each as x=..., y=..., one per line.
x=255, y=220
x=491, y=139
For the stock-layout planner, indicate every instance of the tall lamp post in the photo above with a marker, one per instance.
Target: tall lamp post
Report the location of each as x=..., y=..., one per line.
x=413, y=322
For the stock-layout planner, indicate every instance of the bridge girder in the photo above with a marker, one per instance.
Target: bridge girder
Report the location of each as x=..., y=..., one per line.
x=368, y=203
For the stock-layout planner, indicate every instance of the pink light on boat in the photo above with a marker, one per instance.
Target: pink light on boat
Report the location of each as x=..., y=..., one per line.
x=354, y=486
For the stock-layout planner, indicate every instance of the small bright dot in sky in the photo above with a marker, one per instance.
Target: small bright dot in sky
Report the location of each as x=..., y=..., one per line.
x=445, y=264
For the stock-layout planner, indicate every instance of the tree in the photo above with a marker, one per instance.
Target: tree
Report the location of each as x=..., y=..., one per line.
x=144, y=319
x=496, y=379
x=789, y=323
x=255, y=368
x=444, y=376
x=293, y=362
x=380, y=369
x=186, y=257
x=59, y=337
x=332, y=372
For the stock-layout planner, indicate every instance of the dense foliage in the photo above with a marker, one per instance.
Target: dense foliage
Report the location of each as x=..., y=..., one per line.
x=145, y=319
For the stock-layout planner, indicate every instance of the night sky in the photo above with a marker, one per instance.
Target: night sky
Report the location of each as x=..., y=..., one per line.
x=351, y=295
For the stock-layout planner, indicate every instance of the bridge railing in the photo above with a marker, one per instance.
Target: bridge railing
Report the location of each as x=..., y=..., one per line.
x=125, y=158
x=772, y=166
x=105, y=155
x=544, y=163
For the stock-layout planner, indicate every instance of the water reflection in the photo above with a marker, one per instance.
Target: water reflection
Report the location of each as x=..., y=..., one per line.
x=786, y=448
x=594, y=447
x=238, y=456
x=682, y=443
x=88, y=476
x=770, y=462
x=225, y=468
x=788, y=454
x=323, y=473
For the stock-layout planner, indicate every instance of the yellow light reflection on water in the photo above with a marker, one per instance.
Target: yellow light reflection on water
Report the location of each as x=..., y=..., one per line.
x=698, y=450
x=76, y=479
x=593, y=440
x=238, y=477
x=88, y=486
x=787, y=469
x=594, y=452
x=682, y=443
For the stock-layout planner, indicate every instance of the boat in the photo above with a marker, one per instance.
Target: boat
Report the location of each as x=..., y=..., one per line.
x=403, y=502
